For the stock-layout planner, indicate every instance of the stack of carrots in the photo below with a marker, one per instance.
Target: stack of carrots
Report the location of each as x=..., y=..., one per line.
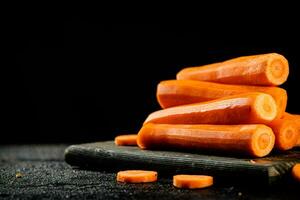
x=233, y=106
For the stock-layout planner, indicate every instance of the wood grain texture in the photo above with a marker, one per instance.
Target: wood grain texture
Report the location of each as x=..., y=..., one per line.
x=106, y=155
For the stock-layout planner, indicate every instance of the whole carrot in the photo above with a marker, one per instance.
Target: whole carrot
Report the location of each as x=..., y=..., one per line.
x=180, y=92
x=247, y=108
x=253, y=140
x=264, y=69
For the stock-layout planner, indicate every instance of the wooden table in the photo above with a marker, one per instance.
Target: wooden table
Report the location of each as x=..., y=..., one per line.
x=39, y=171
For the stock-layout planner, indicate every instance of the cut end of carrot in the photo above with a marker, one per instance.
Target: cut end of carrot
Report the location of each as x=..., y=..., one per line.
x=288, y=137
x=265, y=107
x=192, y=181
x=286, y=133
x=278, y=70
x=296, y=172
x=263, y=141
x=126, y=140
x=296, y=121
x=137, y=176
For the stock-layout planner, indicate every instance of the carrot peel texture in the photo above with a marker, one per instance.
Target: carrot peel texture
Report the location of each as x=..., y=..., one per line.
x=247, y=108
x=172, y=93
x=266, y=69
x=253, y=140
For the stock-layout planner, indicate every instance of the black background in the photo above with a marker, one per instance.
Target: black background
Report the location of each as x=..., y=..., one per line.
x=78, y=78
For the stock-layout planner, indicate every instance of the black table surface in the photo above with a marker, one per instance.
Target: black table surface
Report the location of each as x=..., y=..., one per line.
x=39, y=171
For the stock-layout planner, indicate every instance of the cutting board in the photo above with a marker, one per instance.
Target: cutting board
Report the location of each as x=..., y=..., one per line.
x=107, y=156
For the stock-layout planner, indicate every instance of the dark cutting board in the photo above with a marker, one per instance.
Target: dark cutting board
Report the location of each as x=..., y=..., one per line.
x=108, y=156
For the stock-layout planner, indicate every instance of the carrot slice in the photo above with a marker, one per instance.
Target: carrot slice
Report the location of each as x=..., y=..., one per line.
x=137, y=176
x=296, y=172
x=254, y=140
x=286, y=133
x=247, y=108
x=192, y=181
x=126, y=140
x=180, y=92
x=296, y=119
x=264, y=69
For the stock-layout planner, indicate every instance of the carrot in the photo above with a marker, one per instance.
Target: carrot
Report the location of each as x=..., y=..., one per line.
x=180, y=92
x=192, y=181
x=286, y=133
x=296, y=119
x=254, y=140
x=264, y=69
x=126, y=140
x=137, y=176
x=247, y=108
x=296, y=172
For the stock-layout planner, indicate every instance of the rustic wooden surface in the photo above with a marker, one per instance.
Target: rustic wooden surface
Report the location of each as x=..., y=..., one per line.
x=106, y=155
x=40, y=172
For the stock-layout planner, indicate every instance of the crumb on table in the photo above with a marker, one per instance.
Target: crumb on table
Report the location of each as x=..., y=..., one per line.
x=19, y=175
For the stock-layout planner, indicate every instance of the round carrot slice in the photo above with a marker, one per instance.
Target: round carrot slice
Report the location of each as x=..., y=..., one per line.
x=126, y=140
x=296, y=172
x=192, y=181
x=137, y=176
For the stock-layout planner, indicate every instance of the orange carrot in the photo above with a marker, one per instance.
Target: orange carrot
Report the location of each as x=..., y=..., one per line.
x=286, y=133
x=254, y=140
x=296, y=172
x=137, y=176
x=126, y=140
x=180, y=92
x=247, y=108
x=296, y=119
x=192, y=181
x=264, y=69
